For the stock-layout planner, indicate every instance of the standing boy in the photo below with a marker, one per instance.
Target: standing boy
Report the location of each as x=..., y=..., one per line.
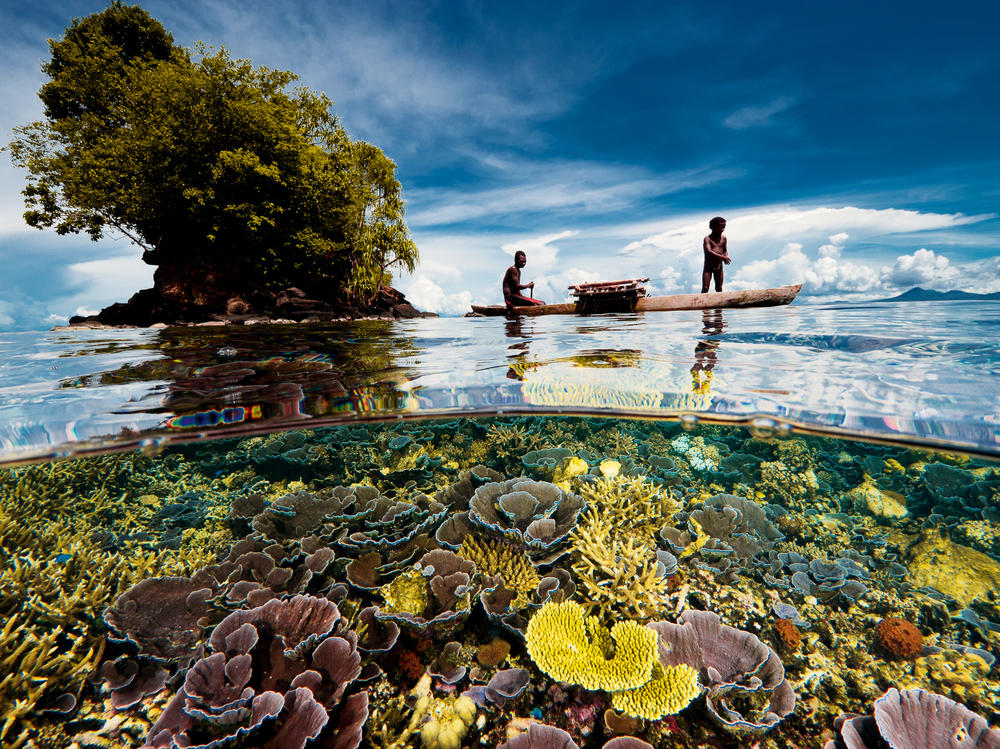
x=716, y=253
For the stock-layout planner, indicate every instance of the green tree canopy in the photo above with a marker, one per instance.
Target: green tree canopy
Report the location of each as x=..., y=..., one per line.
x=206, y=160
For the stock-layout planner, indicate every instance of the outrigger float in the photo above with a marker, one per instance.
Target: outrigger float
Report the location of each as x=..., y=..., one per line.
x=630, y=296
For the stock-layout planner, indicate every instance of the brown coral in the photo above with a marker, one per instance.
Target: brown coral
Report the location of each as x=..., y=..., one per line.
x=897, y=638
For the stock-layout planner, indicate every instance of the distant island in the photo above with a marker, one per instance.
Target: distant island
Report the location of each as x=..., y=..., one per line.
x=917, y=294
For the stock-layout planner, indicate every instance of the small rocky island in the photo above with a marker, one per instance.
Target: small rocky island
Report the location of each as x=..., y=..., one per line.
x=244, y=190
x=175, y=302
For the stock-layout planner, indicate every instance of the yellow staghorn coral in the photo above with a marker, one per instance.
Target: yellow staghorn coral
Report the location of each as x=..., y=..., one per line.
x=563, y=645
x=616, y=562
x=496, y=558
x=630, y=505
x=670, y=690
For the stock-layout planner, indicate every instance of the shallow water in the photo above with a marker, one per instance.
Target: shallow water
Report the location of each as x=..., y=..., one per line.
x=928, y=371
x=387, y=576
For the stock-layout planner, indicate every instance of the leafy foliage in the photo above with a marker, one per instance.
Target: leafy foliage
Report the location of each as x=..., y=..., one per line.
x=207, y=161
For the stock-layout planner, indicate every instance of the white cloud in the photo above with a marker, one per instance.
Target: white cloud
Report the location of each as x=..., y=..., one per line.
x=757, y=116
x=554, y=288
x=106, y=281
x=6, y=314
x=759, y=230
x=922, y=268
x=540, y=250
x=426, y=295
x=830, y=273
x=520, y=186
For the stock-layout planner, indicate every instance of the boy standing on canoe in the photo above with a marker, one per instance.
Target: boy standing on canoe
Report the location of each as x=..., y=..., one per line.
x=512, y=284
x=716, y=253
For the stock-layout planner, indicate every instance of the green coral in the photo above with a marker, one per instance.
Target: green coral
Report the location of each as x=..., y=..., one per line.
x=569, y=647
x=670, y=690
x=407, y=594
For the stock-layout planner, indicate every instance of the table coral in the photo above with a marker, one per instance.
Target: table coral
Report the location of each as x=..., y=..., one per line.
x=570, y=647
x=669, y=690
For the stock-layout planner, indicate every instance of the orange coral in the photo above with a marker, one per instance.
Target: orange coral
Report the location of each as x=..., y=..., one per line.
x=788, y=635
x=897, y=638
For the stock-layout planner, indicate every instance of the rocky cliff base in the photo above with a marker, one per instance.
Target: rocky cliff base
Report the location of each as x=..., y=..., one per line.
x=152, y=307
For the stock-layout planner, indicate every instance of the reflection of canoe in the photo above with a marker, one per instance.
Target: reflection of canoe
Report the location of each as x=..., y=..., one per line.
x=746, y=298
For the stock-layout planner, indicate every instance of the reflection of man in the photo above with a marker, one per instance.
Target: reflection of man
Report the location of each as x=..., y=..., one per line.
x=705, y=355
x=512, y=285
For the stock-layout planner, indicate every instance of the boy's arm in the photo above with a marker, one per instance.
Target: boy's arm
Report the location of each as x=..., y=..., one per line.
x=707, y=246
x=725, y=250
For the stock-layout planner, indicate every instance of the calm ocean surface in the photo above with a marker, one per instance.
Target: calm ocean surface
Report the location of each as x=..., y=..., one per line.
x=928, y=371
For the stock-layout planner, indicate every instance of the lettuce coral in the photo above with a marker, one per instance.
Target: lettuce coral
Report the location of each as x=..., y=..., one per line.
x=571, y=648
x=670, y=690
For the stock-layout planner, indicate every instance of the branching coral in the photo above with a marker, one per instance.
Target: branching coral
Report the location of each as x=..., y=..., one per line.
x=633, y=506
x=617, y=564
x=570, y=647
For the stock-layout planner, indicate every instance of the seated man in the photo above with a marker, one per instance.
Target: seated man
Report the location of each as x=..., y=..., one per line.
x=512, y=284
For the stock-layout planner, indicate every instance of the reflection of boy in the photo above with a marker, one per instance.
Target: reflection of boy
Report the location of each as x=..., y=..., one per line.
x=716, y=253
x=512, y=285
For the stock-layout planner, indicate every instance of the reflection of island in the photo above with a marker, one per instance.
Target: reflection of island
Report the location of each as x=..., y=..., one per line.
x=327, y=374
x=705, y=352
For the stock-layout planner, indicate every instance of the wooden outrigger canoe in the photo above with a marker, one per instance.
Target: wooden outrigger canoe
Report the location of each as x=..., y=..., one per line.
x=711, y=300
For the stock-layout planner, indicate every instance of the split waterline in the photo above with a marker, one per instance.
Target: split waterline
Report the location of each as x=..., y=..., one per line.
x=446, y=531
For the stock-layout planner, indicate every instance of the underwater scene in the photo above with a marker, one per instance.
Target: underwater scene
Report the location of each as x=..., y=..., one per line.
x=521, y=581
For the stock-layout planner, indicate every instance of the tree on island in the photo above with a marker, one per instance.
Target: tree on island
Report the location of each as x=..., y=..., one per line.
x=227, y=176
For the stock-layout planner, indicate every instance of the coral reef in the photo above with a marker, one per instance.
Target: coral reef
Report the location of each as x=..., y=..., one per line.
x=267, y=589
x=533, y=514
x=570, y=647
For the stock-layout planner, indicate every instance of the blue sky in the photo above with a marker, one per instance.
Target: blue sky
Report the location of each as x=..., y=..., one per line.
x=851, y=146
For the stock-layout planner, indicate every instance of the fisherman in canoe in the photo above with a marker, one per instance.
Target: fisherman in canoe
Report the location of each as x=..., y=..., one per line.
x=716, y=253
x=512, y=285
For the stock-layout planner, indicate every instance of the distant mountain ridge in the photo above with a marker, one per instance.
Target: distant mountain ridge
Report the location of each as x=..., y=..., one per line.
x=917, y=294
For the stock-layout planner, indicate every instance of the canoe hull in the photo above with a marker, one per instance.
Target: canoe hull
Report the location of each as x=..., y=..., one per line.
x=712, y=300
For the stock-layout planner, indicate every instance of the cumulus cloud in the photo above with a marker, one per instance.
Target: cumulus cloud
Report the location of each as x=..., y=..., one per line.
x=922, y=268
x=426, y=295
x=831, y=273
x=541, y=251
x=554, y=288
x=758, y=116
x=103, y=282
x=761, y=229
